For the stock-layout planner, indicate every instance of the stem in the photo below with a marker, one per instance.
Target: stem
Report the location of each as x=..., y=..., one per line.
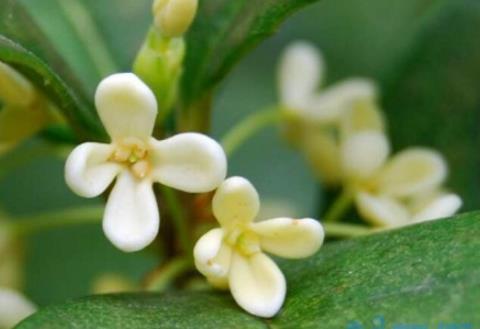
x=162, y=278
x=341, y=230
x=86, y=29
x=179, y=218
x=340, y=206
x=51, y=220
x=248, y=127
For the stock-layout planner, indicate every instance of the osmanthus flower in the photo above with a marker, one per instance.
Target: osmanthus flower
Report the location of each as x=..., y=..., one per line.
x=233, y=257
x=399, y=190
x=14, y=307
x=188, y=162
x=314, y=113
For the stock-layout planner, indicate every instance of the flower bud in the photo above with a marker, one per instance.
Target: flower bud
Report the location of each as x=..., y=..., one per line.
x=174, y=17
x=14, y=88
x=159, y=64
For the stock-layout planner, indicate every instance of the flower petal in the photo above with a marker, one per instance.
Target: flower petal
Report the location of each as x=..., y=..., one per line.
x=126, y=106
x=88, y=171
x=236, y=201
x=441, y=206
x=362, y=116
x=329, y=105
x=257, y=284
x=14, y=307
x=131, y=217
x=322, y=152
x=413, y=171
x=363, y=154
x=300, y=73
x=189, y=162
x=381, y=211
x=212, y=257
x=290, y=238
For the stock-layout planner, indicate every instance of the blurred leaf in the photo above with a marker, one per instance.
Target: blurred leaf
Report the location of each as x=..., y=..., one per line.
x=223, y=33
x=433, y=98
x=43, y=66
x=433, y=267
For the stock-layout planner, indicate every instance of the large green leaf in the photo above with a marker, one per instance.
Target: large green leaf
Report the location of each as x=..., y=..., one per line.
x=433, y=97
x=222, y=33
x=23, y=46
x=426, y=274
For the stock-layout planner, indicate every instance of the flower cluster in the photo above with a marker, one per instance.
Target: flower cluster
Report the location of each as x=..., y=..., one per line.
x=342, y=133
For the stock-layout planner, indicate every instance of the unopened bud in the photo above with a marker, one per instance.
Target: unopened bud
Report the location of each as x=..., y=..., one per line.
x=14, y=88
x=174, y=17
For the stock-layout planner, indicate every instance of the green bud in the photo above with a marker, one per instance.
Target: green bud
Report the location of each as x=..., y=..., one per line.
x=159, y=64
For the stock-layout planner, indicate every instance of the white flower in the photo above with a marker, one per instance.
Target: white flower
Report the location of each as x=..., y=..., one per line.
x=315, y=113
x=396, y=191
x=14, y=307
x=174, y=17
x=189, y=162
x=232, y=256
x=301, y=75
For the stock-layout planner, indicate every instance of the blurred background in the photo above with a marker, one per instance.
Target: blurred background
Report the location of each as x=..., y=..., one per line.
x=425, y=54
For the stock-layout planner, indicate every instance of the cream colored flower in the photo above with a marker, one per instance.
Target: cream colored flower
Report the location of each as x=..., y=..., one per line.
x=314, y=113
x=397, y=191
x=174, y=17
x=14, y=307
x=189, y=162
x=233, y=256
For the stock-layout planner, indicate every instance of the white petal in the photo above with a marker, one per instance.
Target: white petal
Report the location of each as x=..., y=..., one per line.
x=14, y=307
x=290, y=238
x=413, y=171
x=257, y=284
x=363, y=154
x=363, y=116
x=189, y=162
x=88, y=171
x=212, y=256
x=442, y=206
x=236, y=201
x=300, y=73
x=126, y=106
x=131, y=217
x=331, y=104
x=381, y=211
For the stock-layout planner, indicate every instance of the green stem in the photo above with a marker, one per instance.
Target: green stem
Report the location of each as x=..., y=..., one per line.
x=160, y=280
x=250, y=126
x=341, y=230
x=52, y=220
x=179, y=218
x=86, y=29
x=340, y=206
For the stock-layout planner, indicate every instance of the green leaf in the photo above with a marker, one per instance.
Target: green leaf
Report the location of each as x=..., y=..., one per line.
x=223, y=33
x=425, y=274
x=25, y=48
x=433, y=98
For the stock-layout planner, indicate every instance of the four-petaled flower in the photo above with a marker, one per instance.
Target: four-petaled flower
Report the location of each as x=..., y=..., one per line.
x=396, y=191
x=232, y=256
x=189, y=162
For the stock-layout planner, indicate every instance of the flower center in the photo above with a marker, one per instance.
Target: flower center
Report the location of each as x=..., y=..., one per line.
x=244, y=241
x=134, y=154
